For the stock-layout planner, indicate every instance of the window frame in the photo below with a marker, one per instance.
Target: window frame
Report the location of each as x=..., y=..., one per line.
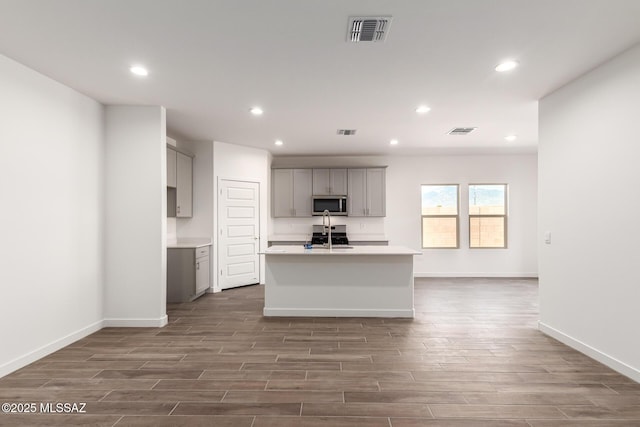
x=456, y=216
x=504, y=216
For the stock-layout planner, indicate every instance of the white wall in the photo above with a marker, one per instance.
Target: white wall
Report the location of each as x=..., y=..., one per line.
x=135, y=216
x=406, y=174
x=245, y=164
x=588, y=162
x=402, y=223
x=51, y=168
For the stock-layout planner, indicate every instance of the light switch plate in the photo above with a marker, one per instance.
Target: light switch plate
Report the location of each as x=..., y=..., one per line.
x=547, y=237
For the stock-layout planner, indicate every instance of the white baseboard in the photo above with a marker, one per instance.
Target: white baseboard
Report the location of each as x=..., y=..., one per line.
x=47, y=349
x=331, y=312
x=593, y=353
x=137, y=323
x=56, y=345
x=483, y=274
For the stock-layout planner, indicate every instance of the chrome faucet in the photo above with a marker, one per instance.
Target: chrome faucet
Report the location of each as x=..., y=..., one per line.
x=326, y=214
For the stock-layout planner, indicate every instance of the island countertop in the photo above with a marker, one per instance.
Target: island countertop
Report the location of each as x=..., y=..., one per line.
x=341, y=250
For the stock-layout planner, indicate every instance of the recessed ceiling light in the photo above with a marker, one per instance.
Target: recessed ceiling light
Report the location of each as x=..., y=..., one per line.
x=422, y=109
x=393, y=142
x=506, y=66
x=256, y=111
x=510, y=138
x=139, y=71
x=279, y=142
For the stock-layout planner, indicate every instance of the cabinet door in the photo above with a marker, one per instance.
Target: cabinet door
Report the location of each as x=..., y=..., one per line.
x=302, y=189
x=338, y=182
x=171, y=167
x=357, y=192
x=282, y=193
x=321, y=182
x=376, y=203
x=328, y=182
x=202, y=274
x=184, y=186
x=181, y=274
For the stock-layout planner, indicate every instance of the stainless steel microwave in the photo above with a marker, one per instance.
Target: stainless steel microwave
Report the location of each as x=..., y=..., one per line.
x=336, y=205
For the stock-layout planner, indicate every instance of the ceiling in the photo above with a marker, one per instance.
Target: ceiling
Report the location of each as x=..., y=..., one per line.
x=210, y=61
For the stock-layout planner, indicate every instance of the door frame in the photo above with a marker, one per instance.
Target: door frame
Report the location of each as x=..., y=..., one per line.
x=218, y=189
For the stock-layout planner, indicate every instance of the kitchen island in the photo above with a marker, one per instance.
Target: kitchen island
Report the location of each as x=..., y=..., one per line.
x=357, y=281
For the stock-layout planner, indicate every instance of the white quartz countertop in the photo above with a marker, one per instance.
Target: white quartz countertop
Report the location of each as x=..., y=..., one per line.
x=188, y=243
x=338, y=250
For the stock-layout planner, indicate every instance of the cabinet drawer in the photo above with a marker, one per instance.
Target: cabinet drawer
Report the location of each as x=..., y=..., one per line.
x=203, y=251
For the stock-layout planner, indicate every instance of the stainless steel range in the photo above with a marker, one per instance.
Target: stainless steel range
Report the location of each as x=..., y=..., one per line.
x=338, y=235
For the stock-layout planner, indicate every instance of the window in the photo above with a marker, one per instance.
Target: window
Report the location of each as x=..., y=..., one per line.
x=487, y=215
x=440, y=216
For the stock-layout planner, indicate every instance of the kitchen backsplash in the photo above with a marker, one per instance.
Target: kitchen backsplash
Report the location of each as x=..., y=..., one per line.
x=171, y=229
x=302, y=226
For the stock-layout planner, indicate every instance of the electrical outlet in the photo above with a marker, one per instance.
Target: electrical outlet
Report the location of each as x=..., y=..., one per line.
x=362, y=226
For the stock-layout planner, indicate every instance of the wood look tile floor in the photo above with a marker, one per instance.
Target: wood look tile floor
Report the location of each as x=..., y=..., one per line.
x=472, y=357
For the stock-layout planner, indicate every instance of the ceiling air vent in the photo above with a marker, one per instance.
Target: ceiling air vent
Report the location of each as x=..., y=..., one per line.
x=461, y=131
x=346, y=132
x=368, y=28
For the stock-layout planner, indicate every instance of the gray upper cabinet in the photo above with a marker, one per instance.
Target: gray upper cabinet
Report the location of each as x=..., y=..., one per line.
x=292, y=190
x=179, y=184
x=184, y=186
x=329, y=182
x=357, y=195
x=282, y=183
x=367, y=188
x=376, y=192
x=171, y=167
x=302, y=179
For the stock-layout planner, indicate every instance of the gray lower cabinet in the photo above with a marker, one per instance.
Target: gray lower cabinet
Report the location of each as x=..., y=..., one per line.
x=202, y=270
x=187, y=273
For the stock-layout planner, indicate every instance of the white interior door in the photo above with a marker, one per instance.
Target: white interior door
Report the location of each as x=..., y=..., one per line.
x=239, y=233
